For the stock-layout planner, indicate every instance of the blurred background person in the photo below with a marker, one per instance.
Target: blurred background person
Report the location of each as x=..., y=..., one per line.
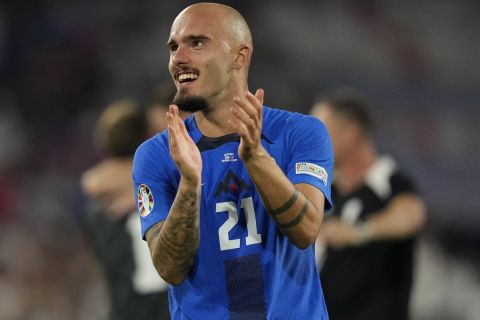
x=161, y=97
x=377, y=213
x=112, y=225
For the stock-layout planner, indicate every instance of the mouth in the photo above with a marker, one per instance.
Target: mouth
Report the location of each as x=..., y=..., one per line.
x=186, y=77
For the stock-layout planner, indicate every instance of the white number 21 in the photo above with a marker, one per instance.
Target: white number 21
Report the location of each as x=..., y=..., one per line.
x=253, y=236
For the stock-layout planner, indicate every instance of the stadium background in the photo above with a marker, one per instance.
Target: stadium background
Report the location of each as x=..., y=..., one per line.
x=62, y=61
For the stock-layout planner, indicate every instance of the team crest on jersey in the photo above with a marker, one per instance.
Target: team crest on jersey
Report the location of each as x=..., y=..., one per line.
x=313, y=170
x=145, y=200
x=229, y=157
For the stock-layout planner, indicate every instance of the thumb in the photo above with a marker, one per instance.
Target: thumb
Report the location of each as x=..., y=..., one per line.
x=259, y=94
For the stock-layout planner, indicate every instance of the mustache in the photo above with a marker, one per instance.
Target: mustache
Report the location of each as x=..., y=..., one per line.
x=185, y=69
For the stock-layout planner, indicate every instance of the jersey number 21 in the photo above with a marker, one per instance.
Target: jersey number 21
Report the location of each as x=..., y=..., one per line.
x=253, y=237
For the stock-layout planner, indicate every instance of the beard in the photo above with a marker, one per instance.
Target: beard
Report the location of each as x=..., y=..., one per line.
x=190, y=103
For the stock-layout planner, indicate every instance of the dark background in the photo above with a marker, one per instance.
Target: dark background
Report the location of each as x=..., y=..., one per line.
x=62, y=61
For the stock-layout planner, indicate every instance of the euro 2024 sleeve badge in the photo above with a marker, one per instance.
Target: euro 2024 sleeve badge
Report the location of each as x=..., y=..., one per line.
x=145, y=200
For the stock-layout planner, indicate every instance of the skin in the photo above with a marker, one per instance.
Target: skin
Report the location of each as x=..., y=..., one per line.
x=214, y=42
x=110, y=183
x=354, y=155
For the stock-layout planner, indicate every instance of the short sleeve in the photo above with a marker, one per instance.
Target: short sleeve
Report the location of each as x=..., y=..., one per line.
x=310, y=154
x=154, y=192
x=401, y=183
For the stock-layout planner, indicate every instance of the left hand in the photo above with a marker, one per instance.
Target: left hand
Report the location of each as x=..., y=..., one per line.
x=247, y=122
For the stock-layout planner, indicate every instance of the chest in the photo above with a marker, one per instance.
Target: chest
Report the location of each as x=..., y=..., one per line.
x=224, y=175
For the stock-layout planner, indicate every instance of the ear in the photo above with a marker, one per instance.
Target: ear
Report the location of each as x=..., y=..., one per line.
x=242, y=57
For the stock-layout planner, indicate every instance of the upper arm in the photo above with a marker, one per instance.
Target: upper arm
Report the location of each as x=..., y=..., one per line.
x=311, y=160
x=154, y=193
x=313, y=194
x=152, y=233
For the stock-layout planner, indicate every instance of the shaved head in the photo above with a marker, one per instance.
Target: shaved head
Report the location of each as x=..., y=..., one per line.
x=230, y=20
x=210, y=52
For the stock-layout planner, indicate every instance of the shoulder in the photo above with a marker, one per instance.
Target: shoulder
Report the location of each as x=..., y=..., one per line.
x=386, y=179
x=402, y=182
x=158, y=141
x=292, y=121
x=151, y=149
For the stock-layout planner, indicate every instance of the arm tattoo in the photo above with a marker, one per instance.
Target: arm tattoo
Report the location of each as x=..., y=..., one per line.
x=179, y=240
x=287, y=205
x=154, y=231
x=297, y=219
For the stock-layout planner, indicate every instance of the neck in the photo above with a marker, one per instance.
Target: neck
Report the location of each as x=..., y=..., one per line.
x=351, y=171
x=213, y=122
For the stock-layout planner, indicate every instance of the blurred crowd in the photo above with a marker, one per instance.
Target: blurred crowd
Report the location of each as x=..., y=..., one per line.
x=62, y=62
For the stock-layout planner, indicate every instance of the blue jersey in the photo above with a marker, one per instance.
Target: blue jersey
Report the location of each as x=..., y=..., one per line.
x=245, y=268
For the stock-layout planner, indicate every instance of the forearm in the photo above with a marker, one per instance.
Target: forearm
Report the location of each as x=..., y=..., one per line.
x=296, y=217
x=173, y=244
x=402, y=218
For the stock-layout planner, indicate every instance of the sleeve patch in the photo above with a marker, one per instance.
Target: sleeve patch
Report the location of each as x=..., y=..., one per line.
x=313, y=170
x=145, y=200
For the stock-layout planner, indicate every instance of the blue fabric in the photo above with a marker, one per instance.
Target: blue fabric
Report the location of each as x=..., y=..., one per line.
x=288, y=284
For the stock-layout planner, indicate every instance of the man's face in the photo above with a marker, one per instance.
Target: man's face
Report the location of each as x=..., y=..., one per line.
x=200, y=56
x=337, y=127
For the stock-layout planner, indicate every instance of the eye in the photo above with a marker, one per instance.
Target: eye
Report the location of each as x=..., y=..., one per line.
x=197, y=43
x=172, y=47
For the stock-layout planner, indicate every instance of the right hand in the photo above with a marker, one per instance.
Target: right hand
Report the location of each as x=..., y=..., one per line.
x=182, y=148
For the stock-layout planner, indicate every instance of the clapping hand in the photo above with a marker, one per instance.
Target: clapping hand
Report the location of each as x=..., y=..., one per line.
x=247, y=122
x=183, y=149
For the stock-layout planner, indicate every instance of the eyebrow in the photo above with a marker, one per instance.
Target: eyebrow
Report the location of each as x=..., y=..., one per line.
x=189, y=38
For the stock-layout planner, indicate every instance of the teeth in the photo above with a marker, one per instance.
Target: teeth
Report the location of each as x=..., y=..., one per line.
x=186, y=76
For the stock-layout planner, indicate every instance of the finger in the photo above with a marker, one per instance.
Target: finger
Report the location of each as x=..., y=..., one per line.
x=241, y=130
x=182, y=127
x=248, y=110
x=181, y=130
x=260, y=95
x=168, y=115
x=233, y=125
x=255, y=103
x=248, y=105
x=243, y=117
x=171, y=116
x=172, y=124
x=238, y=127
x=172, y=139
x=175, y=115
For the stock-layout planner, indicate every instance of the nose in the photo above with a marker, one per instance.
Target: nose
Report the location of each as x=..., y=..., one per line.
x=180, y=56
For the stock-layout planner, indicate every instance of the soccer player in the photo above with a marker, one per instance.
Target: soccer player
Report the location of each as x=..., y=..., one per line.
x=237, y=191
x=367, y=268
x=111, y=222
